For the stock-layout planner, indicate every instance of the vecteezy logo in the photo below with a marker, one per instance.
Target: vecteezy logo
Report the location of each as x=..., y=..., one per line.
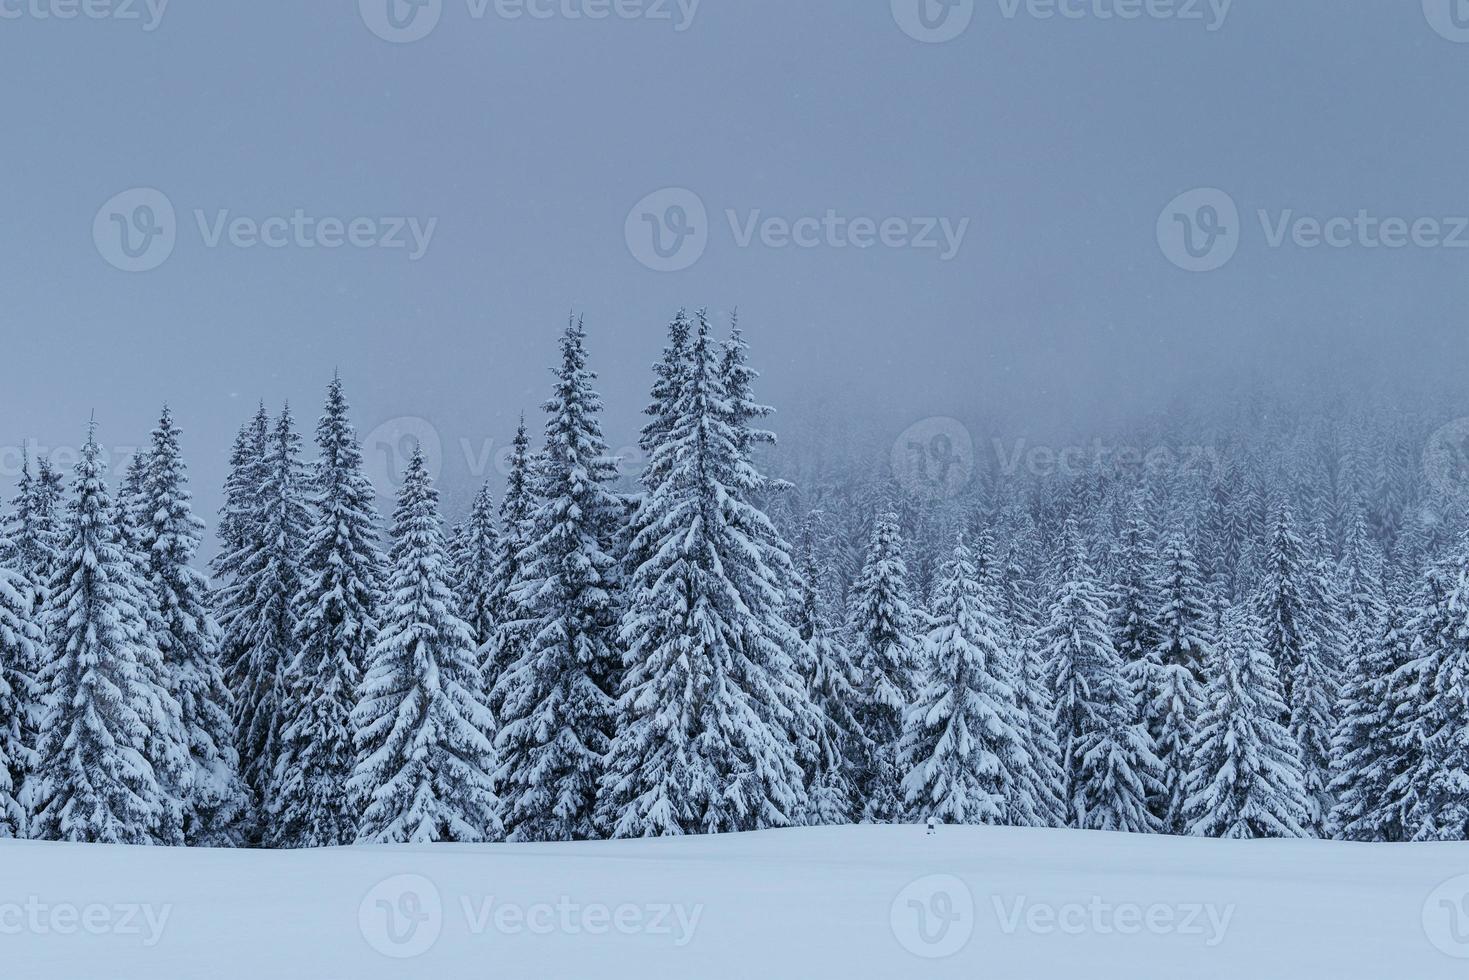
x=402, y=916
x=401, y=21
x=1449, y=17
x=1446, y=918
x=388, y=448
x=668, y=230
x=136, y=230
x=1446, y=459
x=1199, y=231
x=934, y=917
x=933, y=21
x=934, y=458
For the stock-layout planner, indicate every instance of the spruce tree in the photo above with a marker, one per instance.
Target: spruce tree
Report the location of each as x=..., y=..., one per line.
x=1174, y=698
x=962, y=750
x=1246, y=779
x=98, y=783
x=506, y=639
x=20, y=639
x=261, y=611
x=335, y=626
x=189, y=640
x=883, y=631
x=425, y=759
x=476, y=556
x=710, y=696
x=555, y=701
x=1110, y=771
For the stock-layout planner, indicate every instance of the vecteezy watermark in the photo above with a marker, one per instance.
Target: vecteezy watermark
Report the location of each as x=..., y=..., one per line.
x=1104, y=459
x=1096, y=916
x=137, y=230
x=1211, y=13
x=934, y=458
x=669, y=230
x=1446, y=459
x=388, y=448
x=1450, y=18
x=933, y=21
x=403, y=917
x=406, y=21
x=147, y=13
x=1200, y=231
x=38, y=918
x=933, y=917
x=1446, y=918
x=16, y=458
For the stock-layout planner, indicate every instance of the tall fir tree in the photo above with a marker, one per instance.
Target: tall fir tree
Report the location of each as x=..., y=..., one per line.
x=509, y=617
x=963, y=749
x=476, y=556
x=711, y=696
x=883, y=630
x=555, y=700
x=425, y=759
x=1109, y=768
x=1246, y=780
x=103, y=702
x=335, y=626
x=1174, y=698
x=20, y=641
x=188, y=639
x=260, y=603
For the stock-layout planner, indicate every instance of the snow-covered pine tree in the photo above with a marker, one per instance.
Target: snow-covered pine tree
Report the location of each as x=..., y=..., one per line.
x=556, y=709
x=97, y=784
x=506, y=639
x=188, y=639
x=240, y=532
x=963, y=751
x=883, y=639
x=1135, y=602
x=166, y=747
x=710, y=696
x=20, y=639
x=831, y=680
x=1364, y=755
x=1440, y=722
x=1174, y=699
x=425, y=759
x=1246, y=779
x=1110, y=771
x=261, y=610
x=1299, y=640
x=336, y=624
x=476, y=555
x=31, y=533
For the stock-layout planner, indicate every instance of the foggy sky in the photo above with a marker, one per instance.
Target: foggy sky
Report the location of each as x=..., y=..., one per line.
x=529, y=141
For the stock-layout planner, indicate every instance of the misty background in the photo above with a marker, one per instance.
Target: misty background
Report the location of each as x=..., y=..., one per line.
x=530, y=140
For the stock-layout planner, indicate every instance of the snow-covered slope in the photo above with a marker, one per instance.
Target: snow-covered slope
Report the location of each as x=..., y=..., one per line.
x=843, y=902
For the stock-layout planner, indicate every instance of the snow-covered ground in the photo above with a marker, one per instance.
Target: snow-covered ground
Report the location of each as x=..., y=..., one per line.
x=847, y=902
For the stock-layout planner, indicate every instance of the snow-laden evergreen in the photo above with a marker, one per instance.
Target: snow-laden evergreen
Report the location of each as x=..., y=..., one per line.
x=1246, y=780
x=510, y=618
x=1173, y=697
x=97, y=781
x=475, y=555
x=260, y=611
x=1109, y=768
x=425, y=759
x=963, y=748
x=883, y=628
x=20, y=641
x=1135, y=602
x=831, y=681
x=710, y=694
x=555, y=699
x=335, y=626
x=189, y=641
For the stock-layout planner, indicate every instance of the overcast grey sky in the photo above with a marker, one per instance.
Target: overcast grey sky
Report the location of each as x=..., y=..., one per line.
x=537, y=150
